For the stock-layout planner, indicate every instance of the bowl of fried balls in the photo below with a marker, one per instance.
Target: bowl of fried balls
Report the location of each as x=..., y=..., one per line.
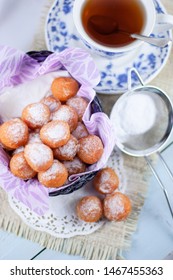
x=49, y=141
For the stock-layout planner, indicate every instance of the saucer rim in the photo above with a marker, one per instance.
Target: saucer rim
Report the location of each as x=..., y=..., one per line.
x=119, y=91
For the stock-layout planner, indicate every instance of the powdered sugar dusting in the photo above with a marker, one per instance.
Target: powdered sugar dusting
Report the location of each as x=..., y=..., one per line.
x=105, y=176
x=34, y=137
x=90, y=143
x=70, y=149
x=115, y=205
x=38, y=114
x=52, y=103
x=16, y=130
x=79, y=104
x=20, y=160
x=64, y=113
x=105, y=182
x=38, y=154
x=53, y=171
x=90, y=206
x=18, y=150
x=80, y=131
x=75, y=166
x=56, y=132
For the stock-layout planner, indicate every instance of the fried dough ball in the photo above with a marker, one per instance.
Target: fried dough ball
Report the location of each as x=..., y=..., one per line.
x=55, y=133
x=89, y=209
x=67, y=114
x=64, y=87
x=34, y=137
x=75, y=166
x=20, y=168
x=14, y=133
x=5, y=147
x=55, y=176
x=35, y=115
x=18, y=150
x=90, y=149
x=106, y=181
x=51, y=102
x=79, y=104
x=68, y=151
x=80, y=131
x=117, y=206
x=38, y=156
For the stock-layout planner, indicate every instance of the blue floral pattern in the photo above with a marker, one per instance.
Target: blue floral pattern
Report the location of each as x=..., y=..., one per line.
x=148, y=60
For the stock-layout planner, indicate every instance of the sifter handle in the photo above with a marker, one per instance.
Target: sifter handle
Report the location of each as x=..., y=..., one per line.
x=129, y=78
x=159, y=180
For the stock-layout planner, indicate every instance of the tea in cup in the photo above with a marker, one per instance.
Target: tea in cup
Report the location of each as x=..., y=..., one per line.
x=104, y=26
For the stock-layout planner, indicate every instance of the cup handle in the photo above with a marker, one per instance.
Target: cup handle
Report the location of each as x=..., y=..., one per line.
x=164, y=22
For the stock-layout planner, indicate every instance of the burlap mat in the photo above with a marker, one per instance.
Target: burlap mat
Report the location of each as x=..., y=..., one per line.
x=112, y=238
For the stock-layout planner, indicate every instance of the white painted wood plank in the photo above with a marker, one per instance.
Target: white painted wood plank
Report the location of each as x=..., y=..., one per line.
x=16, y=248
x=54, y=255
x=19, y=21
x=153, y=239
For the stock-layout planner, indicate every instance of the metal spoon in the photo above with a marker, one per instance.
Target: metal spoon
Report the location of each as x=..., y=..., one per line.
x=110, y=27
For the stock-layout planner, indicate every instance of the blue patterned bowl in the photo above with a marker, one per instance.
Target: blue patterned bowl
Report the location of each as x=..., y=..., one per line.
x=40, y=56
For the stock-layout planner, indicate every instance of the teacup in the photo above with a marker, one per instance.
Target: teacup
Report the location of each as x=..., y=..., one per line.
x=135, y=16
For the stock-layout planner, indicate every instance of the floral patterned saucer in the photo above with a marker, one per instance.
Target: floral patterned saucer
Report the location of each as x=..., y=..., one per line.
x=149, y=60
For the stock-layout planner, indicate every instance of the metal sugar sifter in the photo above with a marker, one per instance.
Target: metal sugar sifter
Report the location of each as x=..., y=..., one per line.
x=142, y=119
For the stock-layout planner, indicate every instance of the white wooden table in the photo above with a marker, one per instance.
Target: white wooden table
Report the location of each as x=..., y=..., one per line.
x=149, y=241
x=19, y=21
x=17, y=248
